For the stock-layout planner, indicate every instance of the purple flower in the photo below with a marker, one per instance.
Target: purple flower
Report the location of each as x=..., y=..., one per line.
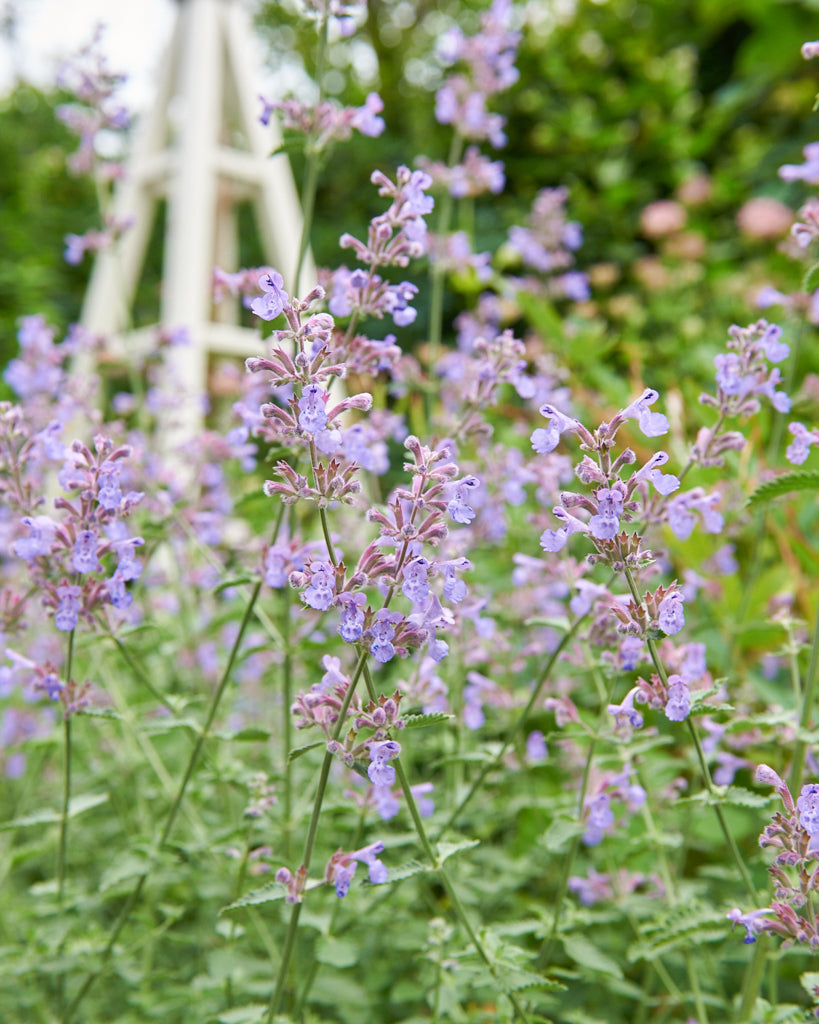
x=85, y=552
x=626, y=712
x=344, y=875
x=369, y=855
x=366, y=119
x=352, y=617
x=319, y=594
x=416, y=585
x=545, y=439
x=606, y=523
x=679, y=700
x=671, y=614
x=271, y=304
x=40, y=537
x=807, y=805
x=312, y=416
x=536, y=749
x=798, y=450
x=108, y=493
x=652, y=424
x=380, y=772
x=751, y=922
x=457, y=508
x=599, y=818
x=117, y=594
x=383, y=632
x=68, y=607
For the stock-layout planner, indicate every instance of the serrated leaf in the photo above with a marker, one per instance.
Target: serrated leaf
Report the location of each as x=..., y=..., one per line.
x=159, y=726
x=786, y=483
x=811, y=280
x=245, y=735
x=335, y=952
x=412, y=867
x=735, y=796
x=99, y=713
x=587, y=955
x=250, y=1014
x=809, y=981
x=47, y=816
x=303, y=750
x=558, y=835
x=677, y=927
x=269, y=893
x=446, y=850
x=433, y=718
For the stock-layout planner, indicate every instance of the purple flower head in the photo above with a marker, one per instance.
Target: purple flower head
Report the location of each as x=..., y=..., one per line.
x=366, y=119
x=351, y=625
x=312, y=415
x=546, y=439
x=271, y=304
x=383, y=632
x=751, y=922
x=679, y=700
x=599, y=818
x=626, y=712
x=652, y=424
x=380, y=772
x=109, y=495
x=416, y=585
x=454, y=589
x=554, y=540
x=798, y=450
x=606, y=523
x=68, y=607
x=671, y=617
x=319, y=594
x=681, y=509
x=629, y=652
x=536, y=749
x=807, y=805
x=457, y=508
x=117, y=594
x=40, y=537
x=369, y=855
x=85, y=552
x=344, y=875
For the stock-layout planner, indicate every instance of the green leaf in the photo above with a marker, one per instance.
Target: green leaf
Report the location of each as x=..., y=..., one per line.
x=589, y=956
x=811, y=281
x=786, y=483
x=735, y=796
x=269, y=893
x=556, y=622
x=433, y=718
x=446, y=850
x=809, y=981
x=335, y=952
x=303, y=750
x=236, y=581
x=245, y=735
x=47, y=816
x=412, y=867
x=250, y=1014
x=558, y=835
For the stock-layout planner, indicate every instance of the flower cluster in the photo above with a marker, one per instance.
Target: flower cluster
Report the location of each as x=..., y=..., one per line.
x=324, y=123
x=794, y=871
x=489, y=68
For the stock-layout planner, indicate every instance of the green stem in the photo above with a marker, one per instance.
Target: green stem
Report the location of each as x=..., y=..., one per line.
x=436, y=306
x=133, y=899
x=517, y=727
x=753, y=979
x=455, y=900
x=808, y=699
x=310, y=841
x=706, y=774
x=63, y=844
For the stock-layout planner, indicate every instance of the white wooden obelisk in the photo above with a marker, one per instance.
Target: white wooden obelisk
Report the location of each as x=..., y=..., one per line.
x=202, y=149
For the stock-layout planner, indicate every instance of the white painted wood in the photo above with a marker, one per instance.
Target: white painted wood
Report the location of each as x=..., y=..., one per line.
x=202, y=149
